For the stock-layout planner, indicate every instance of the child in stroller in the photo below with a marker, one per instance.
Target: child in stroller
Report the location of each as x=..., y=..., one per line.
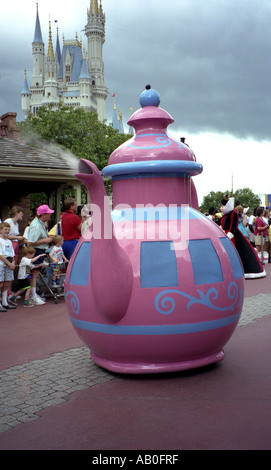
x=57, y=258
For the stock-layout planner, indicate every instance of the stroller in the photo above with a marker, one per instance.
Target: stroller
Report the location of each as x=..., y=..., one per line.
x=45, y=286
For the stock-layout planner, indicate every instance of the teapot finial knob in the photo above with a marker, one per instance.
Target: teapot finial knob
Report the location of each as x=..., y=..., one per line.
x=149, y=97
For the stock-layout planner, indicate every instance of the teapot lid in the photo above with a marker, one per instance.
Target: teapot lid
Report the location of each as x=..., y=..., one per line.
x=149, y=101
x=149, y=97
x=151, y=141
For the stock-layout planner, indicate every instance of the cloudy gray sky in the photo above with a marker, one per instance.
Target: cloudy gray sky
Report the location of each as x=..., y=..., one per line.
x=210, y=61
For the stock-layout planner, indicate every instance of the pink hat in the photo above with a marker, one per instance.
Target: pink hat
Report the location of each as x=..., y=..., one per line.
x=44, y=210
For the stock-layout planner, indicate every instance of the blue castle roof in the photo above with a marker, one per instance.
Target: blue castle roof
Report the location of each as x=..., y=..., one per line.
x=84, y=70
x=25, y=90
x=37, y=34
x=58, y=51
x=76, y=55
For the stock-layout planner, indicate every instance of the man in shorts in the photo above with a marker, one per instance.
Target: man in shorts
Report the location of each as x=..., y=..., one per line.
x=39, y=238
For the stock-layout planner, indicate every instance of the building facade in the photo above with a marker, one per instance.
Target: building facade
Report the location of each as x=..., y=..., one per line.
x=73, y=76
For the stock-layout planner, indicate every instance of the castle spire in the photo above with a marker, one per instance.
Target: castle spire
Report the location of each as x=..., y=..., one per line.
x=25, y=90
x=95, y=32
x=38, y=53
x=84, y=70
x=58, y=51
x=115, y=121
x=37, y=34
x=51, y=54
x=94, y=7
x=121, y=130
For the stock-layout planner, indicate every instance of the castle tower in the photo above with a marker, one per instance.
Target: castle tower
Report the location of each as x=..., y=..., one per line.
x=115, y=121
x=95, y=32
x=58, y=51
x=121, y=130
x=25, y=96
x=85, y=86
x=38, y=52
x=51, y=70
x=66, y=76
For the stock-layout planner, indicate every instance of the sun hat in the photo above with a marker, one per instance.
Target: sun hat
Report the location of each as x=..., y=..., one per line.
x=44, y=209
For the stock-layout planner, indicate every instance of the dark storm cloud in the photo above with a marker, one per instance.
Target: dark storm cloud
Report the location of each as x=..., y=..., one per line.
x=210, y=60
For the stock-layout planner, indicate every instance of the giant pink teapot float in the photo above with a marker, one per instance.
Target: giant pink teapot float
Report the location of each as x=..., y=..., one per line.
x=153, y=286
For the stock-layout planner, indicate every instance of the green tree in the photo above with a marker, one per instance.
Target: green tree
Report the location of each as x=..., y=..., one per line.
x=244, y=196
x=213, y=199
x=247, y=198
x=75, y=129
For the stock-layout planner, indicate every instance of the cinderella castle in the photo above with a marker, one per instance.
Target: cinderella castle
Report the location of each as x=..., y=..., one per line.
x=73, y=76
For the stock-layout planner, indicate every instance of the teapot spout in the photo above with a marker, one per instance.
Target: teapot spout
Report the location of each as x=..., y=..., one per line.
x=111, y=269
x=89, y=174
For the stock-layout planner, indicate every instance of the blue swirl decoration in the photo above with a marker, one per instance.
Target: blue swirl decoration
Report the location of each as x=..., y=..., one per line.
x=165, y=304
x=162, y=141
x=73, y=300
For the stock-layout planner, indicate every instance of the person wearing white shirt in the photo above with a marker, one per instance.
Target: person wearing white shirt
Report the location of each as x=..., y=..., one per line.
x=25, y=275
x=16, y=215
x=7, y=265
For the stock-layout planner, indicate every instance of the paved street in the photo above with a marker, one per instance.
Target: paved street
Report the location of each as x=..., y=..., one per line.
x=27, y=389
x=45, y=367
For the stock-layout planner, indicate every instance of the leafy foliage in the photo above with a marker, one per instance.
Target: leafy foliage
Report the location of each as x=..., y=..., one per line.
x=244, y=196
x=213, y=199
x=247, y=198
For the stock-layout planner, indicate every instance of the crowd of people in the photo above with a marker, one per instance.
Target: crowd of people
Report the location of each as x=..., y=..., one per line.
x=255, y=226
x=32, y=251
x=37, y=248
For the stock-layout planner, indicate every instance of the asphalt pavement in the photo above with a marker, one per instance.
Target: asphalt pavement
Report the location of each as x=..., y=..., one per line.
x=53, y=397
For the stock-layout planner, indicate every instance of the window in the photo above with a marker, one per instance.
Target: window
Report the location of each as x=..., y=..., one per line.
x=236, y=265
x=158, y=264
x=81, y=266
x=205, y=261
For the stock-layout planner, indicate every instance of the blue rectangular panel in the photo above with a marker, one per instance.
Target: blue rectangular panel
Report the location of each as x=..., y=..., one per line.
x=158, y=264
x=205, y=261
x=81, y=266
x=236, y=265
